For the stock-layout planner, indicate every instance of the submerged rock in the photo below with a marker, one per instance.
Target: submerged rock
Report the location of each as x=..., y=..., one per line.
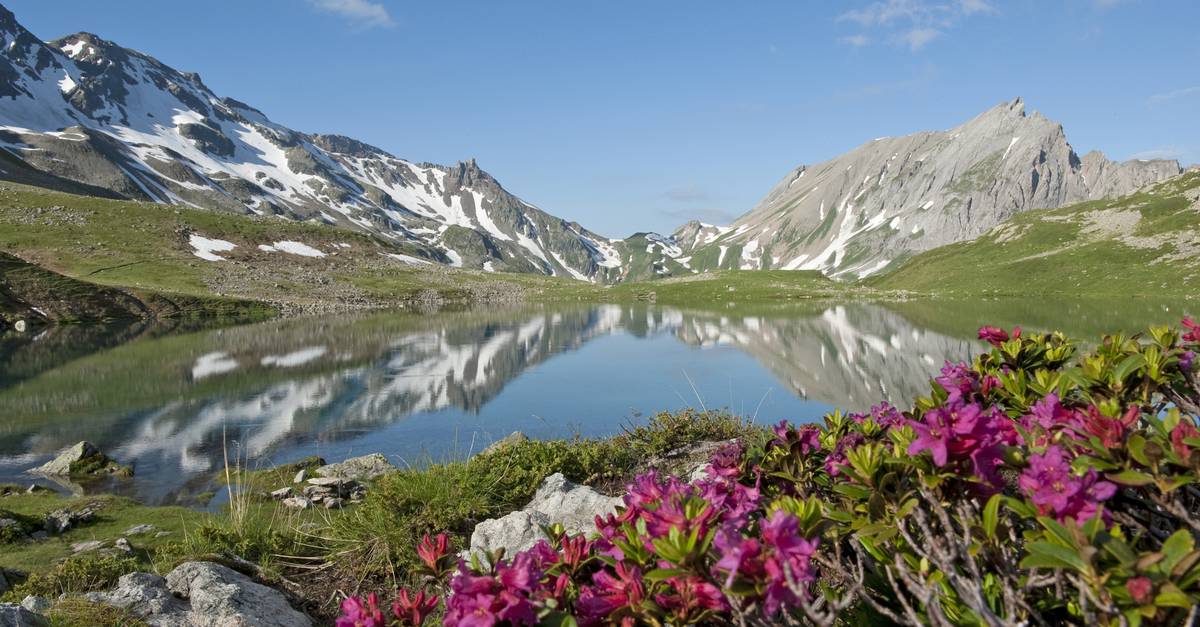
x=83, y=459
x=558, y=501
x=201, y=593
x=362, y=468
x=13, y=615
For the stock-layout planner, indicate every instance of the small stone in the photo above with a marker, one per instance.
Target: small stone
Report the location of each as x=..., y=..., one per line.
x=20, y=326
x=83, y=547
x=122, y=545
x=39, y=535
x=297, y=502
x=37, y=605
x=300, y=476
x=162, y=534
x=334, y=503
x=34, y=489
x=139, y=530
x=281, y=494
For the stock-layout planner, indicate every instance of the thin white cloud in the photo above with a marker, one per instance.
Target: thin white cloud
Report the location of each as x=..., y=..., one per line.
x=1172, y=153
x=857, y=41
x=361, y=12
x=1174, y=95
x=910, y=23
x=918, y=37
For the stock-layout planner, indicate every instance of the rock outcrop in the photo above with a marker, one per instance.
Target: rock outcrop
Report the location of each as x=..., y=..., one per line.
x=363, y=468
x=81, y=460
x=201, y=593
x=557, y=501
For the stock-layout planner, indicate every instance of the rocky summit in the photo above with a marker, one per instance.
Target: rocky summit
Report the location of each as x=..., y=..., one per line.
x=879, y=204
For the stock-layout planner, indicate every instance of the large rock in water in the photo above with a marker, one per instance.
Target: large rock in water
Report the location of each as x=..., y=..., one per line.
x=559, y=501
x=362, y=468
x=13, y=615
x=201, y=593
x=82, y=459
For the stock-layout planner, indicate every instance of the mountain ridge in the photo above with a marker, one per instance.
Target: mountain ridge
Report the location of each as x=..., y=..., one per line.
x=84, y=110
x=920, y=191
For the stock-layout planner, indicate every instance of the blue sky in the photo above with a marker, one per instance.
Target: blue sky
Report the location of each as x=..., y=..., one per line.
x=635, y=115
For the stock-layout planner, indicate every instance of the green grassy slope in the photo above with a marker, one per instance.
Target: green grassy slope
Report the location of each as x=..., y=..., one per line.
x=144, y=246
x=1147, y=243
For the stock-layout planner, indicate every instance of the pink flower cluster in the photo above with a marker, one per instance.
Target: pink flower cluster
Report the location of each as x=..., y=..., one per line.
x=1055, y=489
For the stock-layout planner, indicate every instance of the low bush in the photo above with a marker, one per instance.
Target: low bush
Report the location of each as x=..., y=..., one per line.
x=84, y=573
x=1028, y=487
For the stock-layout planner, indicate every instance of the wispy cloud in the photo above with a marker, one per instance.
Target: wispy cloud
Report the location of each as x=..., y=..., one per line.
x=918, y=37
x=710, y=215
x=1176, y=94
x=857, y=41
x=910, y=23
x=1162, y=152
x=361, y=12
x=688, y=194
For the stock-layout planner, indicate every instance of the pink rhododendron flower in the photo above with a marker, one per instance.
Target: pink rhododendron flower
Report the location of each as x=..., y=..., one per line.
x=688, y=596
x=609, y=592
x=1184, y=430
x=484, y=600
x=432, y=550
x=413, y=609
x=1141, y=589
x=1193, y=331
x=1054, y=489
x=356, y=613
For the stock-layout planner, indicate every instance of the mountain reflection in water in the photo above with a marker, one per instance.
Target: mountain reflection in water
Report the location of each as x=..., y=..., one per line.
x=440, y=386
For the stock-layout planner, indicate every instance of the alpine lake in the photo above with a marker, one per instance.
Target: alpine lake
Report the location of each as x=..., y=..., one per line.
x=178, y=404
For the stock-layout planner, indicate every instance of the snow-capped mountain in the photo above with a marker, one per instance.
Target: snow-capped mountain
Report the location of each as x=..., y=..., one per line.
x=85, y=115
x=871, y=208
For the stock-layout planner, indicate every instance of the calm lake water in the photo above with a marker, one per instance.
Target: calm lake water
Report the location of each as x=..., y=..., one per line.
x=442, y=386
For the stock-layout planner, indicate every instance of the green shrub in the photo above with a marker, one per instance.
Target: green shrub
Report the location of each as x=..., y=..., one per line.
x=84, y=573
x=78, y=612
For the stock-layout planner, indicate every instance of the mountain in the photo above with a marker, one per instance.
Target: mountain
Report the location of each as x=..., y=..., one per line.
x=1146, y=243
x=879, y=204
x=84, y=115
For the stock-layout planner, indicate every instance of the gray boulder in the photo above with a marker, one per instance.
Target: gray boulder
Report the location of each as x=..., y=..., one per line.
x=201, y=593
x=362, y=468
x=37, y=605
x=13, y=615
x=559, y=501
x=82, y=459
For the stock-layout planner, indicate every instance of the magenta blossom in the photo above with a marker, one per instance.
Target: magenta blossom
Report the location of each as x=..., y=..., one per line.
x=997, y=336
x=1054, y=489
x=356, y=613
x=485, y=600
x=788, y=564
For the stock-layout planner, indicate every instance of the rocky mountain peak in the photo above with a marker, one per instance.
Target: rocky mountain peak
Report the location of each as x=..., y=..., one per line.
x=888, y=199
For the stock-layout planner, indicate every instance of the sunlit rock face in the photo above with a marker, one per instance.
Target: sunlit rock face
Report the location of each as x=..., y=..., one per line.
x=872, y=207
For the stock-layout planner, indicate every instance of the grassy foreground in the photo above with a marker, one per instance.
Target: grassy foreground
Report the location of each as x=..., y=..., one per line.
x=366, y=545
